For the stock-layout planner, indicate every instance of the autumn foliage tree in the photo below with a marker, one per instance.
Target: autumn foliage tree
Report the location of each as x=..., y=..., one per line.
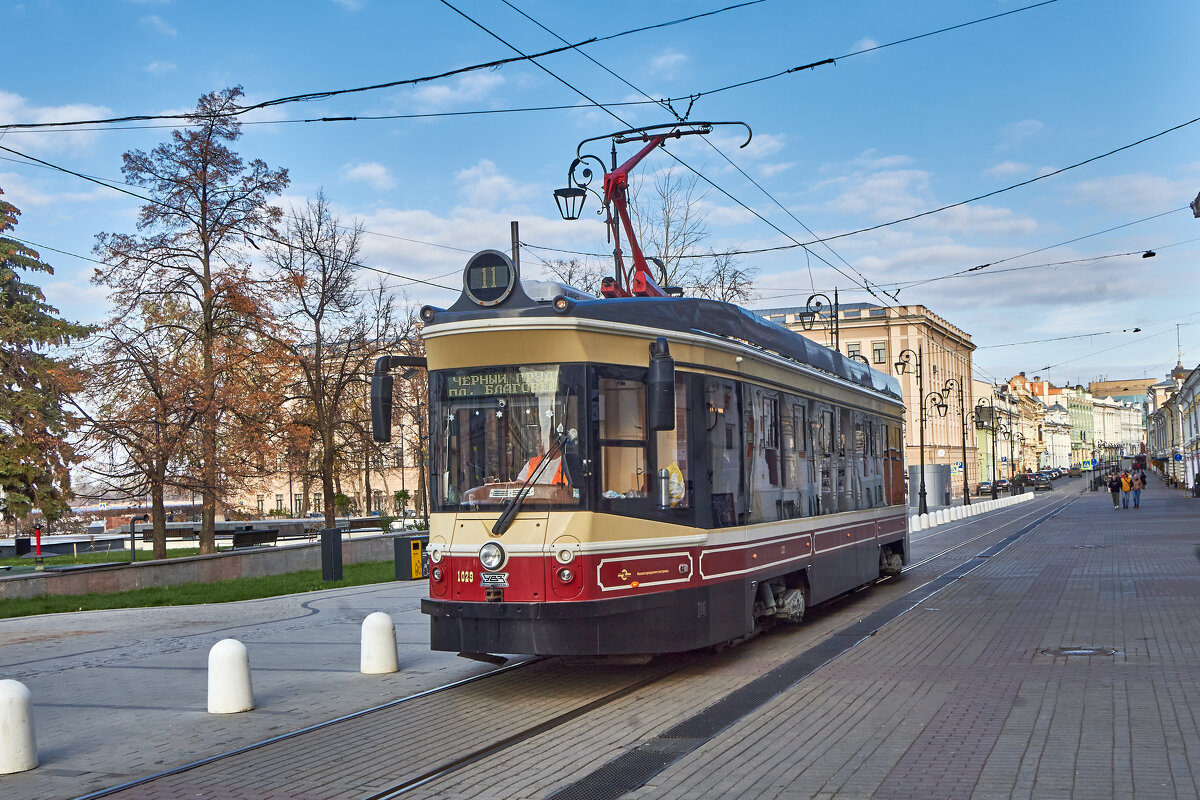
x=139, y=403
x=35, y=454
x=206, y=205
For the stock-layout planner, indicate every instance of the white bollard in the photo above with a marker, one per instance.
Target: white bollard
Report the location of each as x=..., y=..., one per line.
x=229, y=690
x=942, y=518
x=378, y=645
x=18, y=746
x=928, y=521
x=914, y=523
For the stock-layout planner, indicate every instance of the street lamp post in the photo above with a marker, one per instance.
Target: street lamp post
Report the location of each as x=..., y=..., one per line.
x=953, y=384
x=1020, y=437
x=991, y=424
x=909, y=358
x=811, y=313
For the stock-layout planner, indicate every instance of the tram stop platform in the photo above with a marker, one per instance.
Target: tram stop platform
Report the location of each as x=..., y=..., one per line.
x=1045, y=650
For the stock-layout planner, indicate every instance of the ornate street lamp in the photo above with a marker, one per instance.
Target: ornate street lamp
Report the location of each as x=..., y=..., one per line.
x=811, y=313
x=953, y=384
x=991, y=424
x=907, y=359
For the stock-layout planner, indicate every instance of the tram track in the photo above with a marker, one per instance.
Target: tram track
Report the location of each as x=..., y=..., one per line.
x=581, y=691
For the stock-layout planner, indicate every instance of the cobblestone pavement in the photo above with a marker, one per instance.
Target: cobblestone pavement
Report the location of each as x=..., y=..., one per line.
x=123, y=694
x=1064, y=666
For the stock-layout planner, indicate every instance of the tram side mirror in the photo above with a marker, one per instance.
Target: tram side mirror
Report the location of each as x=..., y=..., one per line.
x=661, y=386
x=381, y=408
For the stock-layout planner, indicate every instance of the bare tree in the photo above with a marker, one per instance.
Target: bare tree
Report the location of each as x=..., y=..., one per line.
x=206, y=204
x=577, y=273
x=672, y=226
x=328, y=333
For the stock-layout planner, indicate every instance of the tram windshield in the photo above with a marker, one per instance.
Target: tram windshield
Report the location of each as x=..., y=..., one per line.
x=501, y=427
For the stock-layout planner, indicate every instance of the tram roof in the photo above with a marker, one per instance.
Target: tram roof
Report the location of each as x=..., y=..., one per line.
x=687, y=315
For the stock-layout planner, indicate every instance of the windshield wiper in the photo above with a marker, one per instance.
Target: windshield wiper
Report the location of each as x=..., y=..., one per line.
x=514, y=505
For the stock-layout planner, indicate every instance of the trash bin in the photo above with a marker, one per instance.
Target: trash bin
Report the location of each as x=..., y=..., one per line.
x=331, y=554
x=412, y=562
x=22, y=546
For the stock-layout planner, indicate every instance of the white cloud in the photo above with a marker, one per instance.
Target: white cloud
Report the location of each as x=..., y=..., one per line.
x=372, y=173
x=668, y=64
x=471, y=87
x=1017, y=133
x=351, y=5
x=864, y=44
x=159, y=67
x=771, y=170
x=25, y=194
x=14, y=108
x=485, y=187
x=158, y=25
x=1133, y=194
x=1006, y=169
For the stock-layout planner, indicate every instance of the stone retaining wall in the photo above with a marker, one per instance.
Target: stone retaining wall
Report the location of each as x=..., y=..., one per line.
x=222, y=566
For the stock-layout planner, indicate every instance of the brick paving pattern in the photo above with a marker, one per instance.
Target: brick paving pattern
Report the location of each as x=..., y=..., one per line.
x=974, y=694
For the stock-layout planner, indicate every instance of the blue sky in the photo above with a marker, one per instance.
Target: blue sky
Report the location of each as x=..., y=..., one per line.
x=872, y=138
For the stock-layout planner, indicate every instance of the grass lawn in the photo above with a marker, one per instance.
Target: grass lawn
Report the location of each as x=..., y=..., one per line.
x=193, y=593
x=116, y=556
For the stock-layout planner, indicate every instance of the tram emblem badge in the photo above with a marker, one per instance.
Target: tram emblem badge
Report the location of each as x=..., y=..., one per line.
x=624, y=574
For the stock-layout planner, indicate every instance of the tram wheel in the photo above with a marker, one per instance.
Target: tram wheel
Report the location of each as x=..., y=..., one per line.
x=791, y=605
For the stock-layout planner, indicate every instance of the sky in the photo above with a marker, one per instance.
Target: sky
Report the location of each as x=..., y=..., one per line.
x=1040, y=113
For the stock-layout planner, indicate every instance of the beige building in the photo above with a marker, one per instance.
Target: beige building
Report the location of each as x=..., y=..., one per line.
x=883, y=336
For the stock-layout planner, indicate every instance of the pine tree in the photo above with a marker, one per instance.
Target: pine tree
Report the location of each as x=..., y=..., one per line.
x=35, y=454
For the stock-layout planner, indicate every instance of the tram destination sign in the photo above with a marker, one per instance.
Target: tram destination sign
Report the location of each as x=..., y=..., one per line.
x=519, y=380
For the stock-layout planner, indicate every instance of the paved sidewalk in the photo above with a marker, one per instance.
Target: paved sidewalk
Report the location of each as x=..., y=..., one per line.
x=123, y=694
x=1066, y=666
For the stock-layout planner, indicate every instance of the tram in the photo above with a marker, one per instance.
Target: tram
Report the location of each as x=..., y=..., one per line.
x=642, y=473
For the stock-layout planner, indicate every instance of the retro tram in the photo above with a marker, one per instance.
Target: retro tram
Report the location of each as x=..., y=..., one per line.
x=642, y=473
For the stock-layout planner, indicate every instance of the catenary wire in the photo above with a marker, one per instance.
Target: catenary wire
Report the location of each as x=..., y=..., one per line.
x=248, y=234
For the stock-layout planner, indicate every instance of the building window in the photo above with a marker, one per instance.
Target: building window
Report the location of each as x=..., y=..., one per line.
x=317, y=504
x=879, y=352
x=279, y=502
x=854, y=349
x=298, y=505
x=262, y=504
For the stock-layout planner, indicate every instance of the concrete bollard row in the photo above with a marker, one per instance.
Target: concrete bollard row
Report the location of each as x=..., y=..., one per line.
x=18, y=745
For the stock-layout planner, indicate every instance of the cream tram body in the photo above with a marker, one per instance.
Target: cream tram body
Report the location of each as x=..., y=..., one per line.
x=779, y=485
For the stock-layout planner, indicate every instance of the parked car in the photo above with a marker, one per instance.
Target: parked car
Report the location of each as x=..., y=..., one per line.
x=1003, y=485
x=1075, y=472
x=985, y=487
x=1042, y=481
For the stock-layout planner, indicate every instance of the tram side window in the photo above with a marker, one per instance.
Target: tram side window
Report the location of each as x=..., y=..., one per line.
x=724, y=456
x=672, y=452
x=825, y=427
x=766, y=467
x=846, y=458
x=894, y=463
x=622, y=438
x=797, y=470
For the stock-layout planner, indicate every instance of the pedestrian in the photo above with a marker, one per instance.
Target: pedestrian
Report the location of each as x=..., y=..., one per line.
x=1136, y=486
x=1114, y=488
x=1126, y=488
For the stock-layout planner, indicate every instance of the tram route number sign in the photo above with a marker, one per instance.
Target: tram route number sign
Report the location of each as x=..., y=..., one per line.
x=494, y=580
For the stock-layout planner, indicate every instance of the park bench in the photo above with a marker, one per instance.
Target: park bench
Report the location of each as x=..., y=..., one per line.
x=252, y=538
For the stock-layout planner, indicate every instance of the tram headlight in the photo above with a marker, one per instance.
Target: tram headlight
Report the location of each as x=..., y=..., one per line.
x=565, y=575
x=435, y=555
x=437, y=574
x=491, y=555
x=565, y=555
